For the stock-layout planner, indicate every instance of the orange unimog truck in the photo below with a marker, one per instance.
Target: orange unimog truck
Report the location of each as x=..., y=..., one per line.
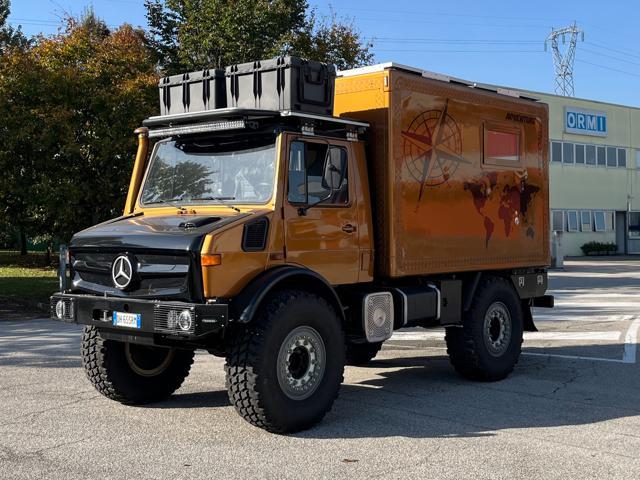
x=290, y=220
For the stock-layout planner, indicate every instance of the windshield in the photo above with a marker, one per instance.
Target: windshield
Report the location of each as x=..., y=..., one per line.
x=188, y=170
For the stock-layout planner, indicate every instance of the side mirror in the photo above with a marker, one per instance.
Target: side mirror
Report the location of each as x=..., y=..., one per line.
x=334, y=170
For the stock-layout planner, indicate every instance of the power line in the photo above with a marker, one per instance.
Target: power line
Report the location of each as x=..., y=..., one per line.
x=455, y=51
x=442, y=14
x=454, y=41
x=608, y=68
x=615, y=50
x=610, y=56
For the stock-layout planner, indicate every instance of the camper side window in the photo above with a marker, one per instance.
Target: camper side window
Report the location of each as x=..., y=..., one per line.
x=318, y=174
x=502, y=146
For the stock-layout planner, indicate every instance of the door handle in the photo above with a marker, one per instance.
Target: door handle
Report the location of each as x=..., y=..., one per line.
x=348, y=228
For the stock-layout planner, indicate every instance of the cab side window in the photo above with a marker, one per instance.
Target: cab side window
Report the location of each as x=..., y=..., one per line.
x=318, y=174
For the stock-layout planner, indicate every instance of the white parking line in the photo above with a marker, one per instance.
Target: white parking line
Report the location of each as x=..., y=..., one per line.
x=631, y=342
x=551, y=336
x=574, y=357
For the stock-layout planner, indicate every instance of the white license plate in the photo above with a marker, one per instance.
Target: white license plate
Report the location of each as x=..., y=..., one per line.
x=129, y=320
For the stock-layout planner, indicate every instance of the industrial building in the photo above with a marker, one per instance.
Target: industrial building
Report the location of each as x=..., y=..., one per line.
x=594, y=153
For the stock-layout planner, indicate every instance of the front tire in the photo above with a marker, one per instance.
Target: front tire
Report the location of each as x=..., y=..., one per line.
x=133, y=374
x=284, y=370
x=488, y=345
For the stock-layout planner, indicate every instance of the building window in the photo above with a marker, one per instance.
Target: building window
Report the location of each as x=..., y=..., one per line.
x=567, y=152
x=556, y=152
x=591, y=154
x=598, y=220
x=609, y=221
x=585, y=221
x=572, y=221
x=634, y=224
x=579, y=153
x=612, y=157
x=604, y=221
x=622, y=157
x=557, y=219
x=602, y=156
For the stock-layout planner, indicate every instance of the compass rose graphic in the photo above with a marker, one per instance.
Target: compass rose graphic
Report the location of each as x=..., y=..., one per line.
x=433, y=148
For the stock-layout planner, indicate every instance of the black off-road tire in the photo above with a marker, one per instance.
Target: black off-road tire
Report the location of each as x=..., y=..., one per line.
x=467, y=348
x=252, y=363
x=109, y=370
x=361, y=353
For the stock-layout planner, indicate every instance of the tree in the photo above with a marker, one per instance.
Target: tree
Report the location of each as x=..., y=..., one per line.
x=9, y=36
x=196, y=34
x=331, y=40
x=69, y=105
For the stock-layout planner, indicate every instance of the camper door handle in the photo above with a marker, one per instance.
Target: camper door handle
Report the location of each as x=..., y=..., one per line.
x=348, y=228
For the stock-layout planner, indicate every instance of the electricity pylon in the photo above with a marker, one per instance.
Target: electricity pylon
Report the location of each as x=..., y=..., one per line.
x=563, y=62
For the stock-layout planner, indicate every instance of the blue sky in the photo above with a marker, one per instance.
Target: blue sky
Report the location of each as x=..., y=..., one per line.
x=499, y=42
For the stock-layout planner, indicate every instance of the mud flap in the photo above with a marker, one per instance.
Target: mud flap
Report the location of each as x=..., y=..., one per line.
x=527, y=318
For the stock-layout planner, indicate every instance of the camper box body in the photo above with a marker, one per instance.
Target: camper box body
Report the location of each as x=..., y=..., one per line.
x=459, y=175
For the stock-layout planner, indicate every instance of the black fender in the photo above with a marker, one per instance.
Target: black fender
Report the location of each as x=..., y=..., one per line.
x=469, y=291
x=246, y=304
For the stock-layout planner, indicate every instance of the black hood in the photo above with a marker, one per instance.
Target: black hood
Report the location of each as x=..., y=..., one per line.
x=171, y=232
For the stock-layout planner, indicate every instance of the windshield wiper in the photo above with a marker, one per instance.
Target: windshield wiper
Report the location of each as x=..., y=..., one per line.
x=169, y=202
x=221, y=200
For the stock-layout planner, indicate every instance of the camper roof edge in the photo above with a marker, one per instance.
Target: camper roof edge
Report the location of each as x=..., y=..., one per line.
x=435, y=76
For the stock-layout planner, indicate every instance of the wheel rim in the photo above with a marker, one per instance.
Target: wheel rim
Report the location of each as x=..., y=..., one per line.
x=497, y=329
x=148, y=361
x=301, y=363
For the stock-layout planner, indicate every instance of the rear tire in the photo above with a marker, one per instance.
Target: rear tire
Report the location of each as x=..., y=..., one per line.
x=488, y=345
x=133, y=374
x=362, y=353
x=284, y=370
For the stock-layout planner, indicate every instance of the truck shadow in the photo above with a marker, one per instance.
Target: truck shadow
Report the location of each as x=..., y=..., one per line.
x=424, y=397
x=212, y=399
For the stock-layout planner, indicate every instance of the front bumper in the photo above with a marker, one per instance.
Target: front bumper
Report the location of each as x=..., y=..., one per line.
x=156, y=316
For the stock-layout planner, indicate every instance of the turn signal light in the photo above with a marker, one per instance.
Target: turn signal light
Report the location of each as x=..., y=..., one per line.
x=211, y=259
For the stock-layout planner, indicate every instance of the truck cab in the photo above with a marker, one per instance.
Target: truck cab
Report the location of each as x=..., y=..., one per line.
x=254, y=234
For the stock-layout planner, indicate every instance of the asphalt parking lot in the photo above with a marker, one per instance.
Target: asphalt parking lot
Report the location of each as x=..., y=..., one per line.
x=571, y=409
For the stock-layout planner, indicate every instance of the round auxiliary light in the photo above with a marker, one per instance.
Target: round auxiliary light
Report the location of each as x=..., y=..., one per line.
x=60, y=309
x=185, y=320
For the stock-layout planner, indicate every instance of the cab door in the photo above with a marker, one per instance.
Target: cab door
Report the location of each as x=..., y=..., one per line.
x=320, y=214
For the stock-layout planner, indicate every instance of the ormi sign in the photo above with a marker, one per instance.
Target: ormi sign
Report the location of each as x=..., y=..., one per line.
x=582, y=121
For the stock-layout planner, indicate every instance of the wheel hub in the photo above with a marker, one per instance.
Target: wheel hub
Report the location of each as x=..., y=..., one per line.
x=497, y=329
x=301, y=363
x=148, y=361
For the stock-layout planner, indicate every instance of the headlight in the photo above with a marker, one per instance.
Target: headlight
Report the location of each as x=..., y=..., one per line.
x=60, y=309
x=185, y=320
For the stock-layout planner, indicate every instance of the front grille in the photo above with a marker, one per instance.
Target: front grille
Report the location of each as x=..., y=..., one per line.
x=165, y=319
x=155, y=275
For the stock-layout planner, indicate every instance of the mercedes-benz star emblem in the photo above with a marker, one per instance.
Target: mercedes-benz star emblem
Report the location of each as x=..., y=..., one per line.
x=122, y=272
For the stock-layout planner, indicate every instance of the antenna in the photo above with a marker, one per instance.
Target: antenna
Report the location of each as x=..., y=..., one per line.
x=563, y=62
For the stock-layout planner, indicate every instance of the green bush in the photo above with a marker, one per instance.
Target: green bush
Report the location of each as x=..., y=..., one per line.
x=599, y=248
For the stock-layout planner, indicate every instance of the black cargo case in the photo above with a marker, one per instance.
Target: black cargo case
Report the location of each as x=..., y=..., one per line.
x=192, y=92
x=283, y=83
